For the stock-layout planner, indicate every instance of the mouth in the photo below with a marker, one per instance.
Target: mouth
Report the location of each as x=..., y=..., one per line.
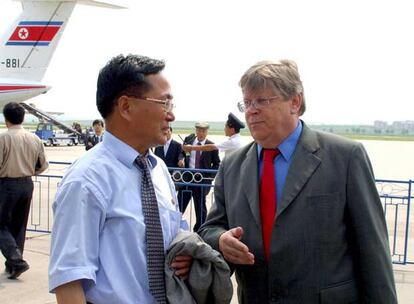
x=254, y=123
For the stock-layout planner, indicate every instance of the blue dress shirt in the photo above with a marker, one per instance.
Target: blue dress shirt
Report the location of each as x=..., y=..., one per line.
x=98, y=235
x=283, y=160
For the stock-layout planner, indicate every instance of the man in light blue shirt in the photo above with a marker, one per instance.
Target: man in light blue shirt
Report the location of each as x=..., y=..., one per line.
x=98, y=251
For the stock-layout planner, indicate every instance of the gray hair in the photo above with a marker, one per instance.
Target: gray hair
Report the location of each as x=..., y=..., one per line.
x=282, y=76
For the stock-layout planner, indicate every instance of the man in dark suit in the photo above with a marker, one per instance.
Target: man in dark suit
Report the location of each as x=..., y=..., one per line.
x=198, y=160
x=297, y=212
x=171, y=152
x=98, y=127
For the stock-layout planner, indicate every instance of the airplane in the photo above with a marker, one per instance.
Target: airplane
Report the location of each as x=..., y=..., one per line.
x=28, y=46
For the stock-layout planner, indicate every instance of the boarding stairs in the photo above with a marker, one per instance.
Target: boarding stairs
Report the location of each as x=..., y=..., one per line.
x=43, y=117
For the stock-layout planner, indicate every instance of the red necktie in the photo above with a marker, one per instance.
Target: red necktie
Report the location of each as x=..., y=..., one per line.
x=268, y=197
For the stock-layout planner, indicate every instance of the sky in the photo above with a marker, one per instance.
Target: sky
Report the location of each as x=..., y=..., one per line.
x=355, y=57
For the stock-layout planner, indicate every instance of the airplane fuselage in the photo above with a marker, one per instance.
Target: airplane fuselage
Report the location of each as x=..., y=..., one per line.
x=19, y=91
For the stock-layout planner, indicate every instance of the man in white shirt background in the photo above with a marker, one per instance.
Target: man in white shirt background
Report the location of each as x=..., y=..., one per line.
x=232, y=130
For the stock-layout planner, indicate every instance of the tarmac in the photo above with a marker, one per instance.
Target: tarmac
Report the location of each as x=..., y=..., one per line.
x=32, y=286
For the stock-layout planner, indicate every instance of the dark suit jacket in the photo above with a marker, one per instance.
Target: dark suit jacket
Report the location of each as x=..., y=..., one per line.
x=208, y=159
x=91, y=141
x=174, y=153
x=329, y=241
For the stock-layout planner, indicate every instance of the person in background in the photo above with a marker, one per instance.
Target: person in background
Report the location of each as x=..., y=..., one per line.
x=22, y=155
x=297, y=212
x=199, y=160
x=81, y=137
x=116, y=209
x=98, y=127
x=234, y=142
x=171, y=152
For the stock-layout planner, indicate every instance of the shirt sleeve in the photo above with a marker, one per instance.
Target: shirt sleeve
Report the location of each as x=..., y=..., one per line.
x=79, y=217
x=42, y=164
x=226, y=145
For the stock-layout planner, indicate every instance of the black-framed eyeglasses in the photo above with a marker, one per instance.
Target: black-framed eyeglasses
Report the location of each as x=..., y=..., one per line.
x=258, y=103
x=167, y=103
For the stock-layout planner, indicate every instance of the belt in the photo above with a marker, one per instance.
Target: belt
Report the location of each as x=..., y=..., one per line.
x=16, y=179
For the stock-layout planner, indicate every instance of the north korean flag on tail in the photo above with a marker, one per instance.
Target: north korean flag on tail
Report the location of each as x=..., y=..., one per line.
x=36, y=33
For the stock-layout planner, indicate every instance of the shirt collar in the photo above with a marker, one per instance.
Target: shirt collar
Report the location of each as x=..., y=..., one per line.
x=124, y=152
x=196, y=141
x=15, y=127
x=235, y=135
x=287, y=147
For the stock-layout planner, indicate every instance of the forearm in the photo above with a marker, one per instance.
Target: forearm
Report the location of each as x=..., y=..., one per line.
x=70, y=293
x=207, y=147
x=42, y=164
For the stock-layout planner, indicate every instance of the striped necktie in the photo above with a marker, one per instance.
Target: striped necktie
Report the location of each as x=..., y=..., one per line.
x=153, y=233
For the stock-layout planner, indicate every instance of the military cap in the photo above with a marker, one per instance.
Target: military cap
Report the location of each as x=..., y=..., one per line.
x=234, y=122
x=202, y=125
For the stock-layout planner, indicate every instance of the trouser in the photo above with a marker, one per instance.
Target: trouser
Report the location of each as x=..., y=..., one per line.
x=199, y=197
x=15, y=198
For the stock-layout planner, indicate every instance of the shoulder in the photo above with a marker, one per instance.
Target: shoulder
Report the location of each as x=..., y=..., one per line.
x=31, y=136
x=328, y=140
x=158, y=148
x=93, y=167
x=175, y=143
x=245, y=153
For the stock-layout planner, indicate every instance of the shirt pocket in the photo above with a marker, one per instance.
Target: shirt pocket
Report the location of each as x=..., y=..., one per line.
x=170, y=220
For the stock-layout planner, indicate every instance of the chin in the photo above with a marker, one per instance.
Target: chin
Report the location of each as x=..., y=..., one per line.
x=162, y=140
x=258, y=136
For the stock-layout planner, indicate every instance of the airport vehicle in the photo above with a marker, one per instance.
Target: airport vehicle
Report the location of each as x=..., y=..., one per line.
x=28, y=46
x=52, y=137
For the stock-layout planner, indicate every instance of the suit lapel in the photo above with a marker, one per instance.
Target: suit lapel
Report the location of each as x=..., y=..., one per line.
x=170, y=147
x=250, y=182
x=304, y=163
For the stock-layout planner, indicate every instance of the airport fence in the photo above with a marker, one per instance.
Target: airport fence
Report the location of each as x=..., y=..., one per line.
x=396, y=197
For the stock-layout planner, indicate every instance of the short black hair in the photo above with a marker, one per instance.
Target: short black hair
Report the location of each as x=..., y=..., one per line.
x=124, y=75
x=13, y=113
x=98, y=122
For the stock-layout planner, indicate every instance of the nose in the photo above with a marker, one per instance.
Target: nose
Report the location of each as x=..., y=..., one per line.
x=250, y=110
x=170, y=116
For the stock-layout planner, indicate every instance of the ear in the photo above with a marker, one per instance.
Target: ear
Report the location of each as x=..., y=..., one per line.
x=296, y=104
x=124, y=107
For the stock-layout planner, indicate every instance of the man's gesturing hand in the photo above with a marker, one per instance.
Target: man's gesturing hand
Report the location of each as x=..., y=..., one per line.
x=234, y=251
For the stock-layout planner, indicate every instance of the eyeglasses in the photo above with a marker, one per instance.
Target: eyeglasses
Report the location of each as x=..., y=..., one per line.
x=167, y=103
x=257, y=104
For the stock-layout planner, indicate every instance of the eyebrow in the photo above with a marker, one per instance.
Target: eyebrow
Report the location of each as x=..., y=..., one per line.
x=168, y=96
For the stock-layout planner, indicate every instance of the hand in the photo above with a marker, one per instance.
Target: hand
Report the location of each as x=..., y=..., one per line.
x=233, y=249
x=182, y=265
x=186, y=148
x=181, y=163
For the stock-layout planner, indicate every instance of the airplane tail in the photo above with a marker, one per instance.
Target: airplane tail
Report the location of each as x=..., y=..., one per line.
x=28, y=46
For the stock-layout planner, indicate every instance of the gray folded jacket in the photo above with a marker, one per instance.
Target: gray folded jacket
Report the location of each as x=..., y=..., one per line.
x=209, y=278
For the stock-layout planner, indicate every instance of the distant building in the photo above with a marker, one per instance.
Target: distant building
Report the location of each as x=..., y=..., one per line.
x=380, y=124
x=407, y=125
